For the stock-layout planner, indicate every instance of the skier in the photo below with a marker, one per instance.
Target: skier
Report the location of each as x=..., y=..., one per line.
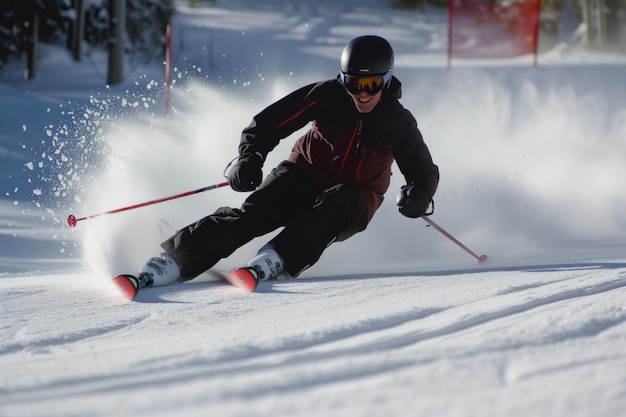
x=329, y=187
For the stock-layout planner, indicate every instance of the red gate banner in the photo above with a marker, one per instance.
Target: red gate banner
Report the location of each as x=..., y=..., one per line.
x=492, y=29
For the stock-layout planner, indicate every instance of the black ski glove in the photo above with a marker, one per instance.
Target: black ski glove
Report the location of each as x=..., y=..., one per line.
x=247, y=173
x=412, y=201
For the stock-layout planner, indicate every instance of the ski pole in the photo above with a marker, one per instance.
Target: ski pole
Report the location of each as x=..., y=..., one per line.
x=481, y=258
x=73, y=220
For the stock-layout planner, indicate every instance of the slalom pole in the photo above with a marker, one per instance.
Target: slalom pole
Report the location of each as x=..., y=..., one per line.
x=481, y=258
x=73, y=220
x=168, y=69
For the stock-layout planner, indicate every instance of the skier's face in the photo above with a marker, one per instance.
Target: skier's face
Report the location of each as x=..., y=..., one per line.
x=364, y=102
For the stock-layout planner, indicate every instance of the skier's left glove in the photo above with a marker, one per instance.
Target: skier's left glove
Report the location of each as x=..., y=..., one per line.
x=412, y=201
x=247, y=173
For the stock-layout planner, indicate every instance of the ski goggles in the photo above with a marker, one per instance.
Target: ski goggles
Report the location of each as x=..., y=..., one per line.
x=369, y=84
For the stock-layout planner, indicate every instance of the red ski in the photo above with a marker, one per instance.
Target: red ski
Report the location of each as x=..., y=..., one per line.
x=242, y=278
x=128, y=285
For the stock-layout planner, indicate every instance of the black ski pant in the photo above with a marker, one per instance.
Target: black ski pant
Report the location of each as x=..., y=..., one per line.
x=312, y=217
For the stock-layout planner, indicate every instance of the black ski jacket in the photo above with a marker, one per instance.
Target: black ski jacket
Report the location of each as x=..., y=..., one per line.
x=344, y=145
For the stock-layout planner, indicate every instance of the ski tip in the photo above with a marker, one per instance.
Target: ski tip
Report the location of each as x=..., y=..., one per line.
x=243, y=278
x=482, y=258
x=128, y=286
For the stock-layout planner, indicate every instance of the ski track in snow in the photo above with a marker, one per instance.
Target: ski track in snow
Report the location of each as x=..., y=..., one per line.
x=353, y=349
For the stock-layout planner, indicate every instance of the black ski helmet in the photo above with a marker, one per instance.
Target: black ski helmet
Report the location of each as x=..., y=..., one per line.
x=367, y=55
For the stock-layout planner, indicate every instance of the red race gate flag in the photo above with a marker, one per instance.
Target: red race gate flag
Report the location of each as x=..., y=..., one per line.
x=492, y=29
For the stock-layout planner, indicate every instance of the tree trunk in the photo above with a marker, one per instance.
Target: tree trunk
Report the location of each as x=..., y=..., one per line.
x=615, y=22
x=33, y=38
x=600, y=22
x=116, y=41
x=79, y=30
x=587, y=17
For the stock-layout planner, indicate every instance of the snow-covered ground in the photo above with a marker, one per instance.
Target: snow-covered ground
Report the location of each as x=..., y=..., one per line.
x=396, y=321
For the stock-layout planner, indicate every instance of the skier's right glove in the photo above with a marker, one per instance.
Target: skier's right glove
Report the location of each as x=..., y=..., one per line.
x=412, y=201
x=247, y=173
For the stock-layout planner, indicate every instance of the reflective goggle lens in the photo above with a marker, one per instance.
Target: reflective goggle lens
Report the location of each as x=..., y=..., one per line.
x=356, y=84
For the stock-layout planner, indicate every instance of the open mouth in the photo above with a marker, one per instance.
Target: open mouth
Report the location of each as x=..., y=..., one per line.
x=364, y=100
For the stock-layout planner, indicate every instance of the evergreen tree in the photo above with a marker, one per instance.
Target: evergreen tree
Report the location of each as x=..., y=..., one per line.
x=146, y=21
